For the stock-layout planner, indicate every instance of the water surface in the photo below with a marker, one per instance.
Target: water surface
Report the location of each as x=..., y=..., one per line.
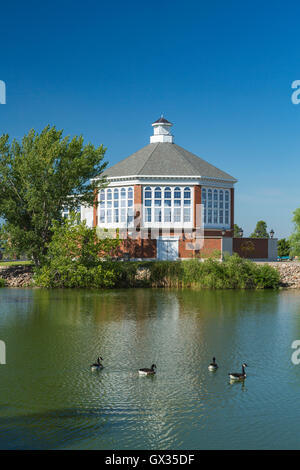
x=51, y=400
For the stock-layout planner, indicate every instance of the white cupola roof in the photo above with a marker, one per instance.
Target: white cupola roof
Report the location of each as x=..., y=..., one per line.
x=162, y=131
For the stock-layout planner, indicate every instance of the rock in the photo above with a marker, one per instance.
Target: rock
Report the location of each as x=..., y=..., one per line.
x=17, y=276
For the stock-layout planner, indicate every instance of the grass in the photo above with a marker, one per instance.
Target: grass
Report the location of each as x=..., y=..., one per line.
x=16, y=263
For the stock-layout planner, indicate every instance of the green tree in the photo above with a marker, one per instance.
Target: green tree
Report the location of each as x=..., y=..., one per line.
x=236, y=233
x=284, y=247
x=260, y=230
x=76, y=256
x=38, y=177
x=295, y=237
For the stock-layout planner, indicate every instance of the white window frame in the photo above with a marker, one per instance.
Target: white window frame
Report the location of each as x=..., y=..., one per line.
x=164, y=208
x=217, y=217
x=116, y=205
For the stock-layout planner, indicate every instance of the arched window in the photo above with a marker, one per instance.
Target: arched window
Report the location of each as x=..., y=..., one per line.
x=227, y=207
x=123, y=200
x=167, y=197
x=215, y=205
x=204, y=202
x=102, y=198
x=157, y=197
x=109, y=195
x=130, y=197
x=148, y=196
x=148, y=192
x=116, y=198
x=209, y=205
x=187, y=196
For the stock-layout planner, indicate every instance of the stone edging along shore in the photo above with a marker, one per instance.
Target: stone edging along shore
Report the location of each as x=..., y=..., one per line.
x=21, y=276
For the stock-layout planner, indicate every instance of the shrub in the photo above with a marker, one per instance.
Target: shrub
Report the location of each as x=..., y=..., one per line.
x=2, y=282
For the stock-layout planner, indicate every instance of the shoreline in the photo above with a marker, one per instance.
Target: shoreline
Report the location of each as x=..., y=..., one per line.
x=22, y=275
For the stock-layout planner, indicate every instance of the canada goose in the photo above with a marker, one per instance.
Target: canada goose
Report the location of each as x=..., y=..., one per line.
x=237, y=376
x=97, y=365
x=148, y=371
x=213, y=365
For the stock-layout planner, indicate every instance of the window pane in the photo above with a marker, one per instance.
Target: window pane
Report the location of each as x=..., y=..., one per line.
x=215, y=216
x=221, y=217
x=167, y=193
x=226, y=217
x=177, y=193
x=123, y=215
x=167, y=202
x=130, y=216
x=123, y=193
x=130, y=202
x=108, y=216
x=209, y=218
x=187, y=193
x=148, y=215
x=157, y=193
x=109, y=195
x=116, y=203
x=157, y=202
x=102, y=195
x=187, y=202
x=116, y=217
x=130, y=193
x=157, y=215
x=148, y=202
x=177, y=215
x=186, y=215
x=102, y=216
x=177, y=202
x=116, y=194
x=109, y=203
x=167, y=215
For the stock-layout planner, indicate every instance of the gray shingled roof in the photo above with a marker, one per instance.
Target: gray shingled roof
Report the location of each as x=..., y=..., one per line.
x=165, y=159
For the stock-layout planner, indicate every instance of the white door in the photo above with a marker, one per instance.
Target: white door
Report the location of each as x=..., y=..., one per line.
x=167, y=249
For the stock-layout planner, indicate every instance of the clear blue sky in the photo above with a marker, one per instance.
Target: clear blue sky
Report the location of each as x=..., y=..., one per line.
x=220, y=71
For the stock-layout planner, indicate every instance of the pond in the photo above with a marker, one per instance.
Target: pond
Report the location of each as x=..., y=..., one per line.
x=50, y=399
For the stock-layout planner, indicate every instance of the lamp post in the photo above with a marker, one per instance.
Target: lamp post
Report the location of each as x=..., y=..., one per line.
x=223, y=232
x=272, y=233
x=241, y=232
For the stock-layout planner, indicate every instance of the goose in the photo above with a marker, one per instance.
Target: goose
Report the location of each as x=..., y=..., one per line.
x=148, y=371
x=97, y=365
x=213, y=365
x=238, y=376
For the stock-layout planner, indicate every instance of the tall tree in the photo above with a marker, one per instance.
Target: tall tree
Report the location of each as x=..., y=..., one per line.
x=38, y=177
x=236, y=231
x=295, y=237
x=260, y=230
x=283, y=247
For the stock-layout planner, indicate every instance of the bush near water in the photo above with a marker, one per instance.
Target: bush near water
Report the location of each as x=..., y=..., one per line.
x=233, y=273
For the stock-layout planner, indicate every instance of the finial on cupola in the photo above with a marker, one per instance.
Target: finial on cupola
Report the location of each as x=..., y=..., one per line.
x=162, y=131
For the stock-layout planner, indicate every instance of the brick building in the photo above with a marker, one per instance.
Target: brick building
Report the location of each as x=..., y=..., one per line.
x=167, y=203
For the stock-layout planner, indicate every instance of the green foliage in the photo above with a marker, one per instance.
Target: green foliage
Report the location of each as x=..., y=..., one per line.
x=38, y=176
x=284, y=247
x=2, y=282
x=236, y=233
x=260, y=230
x=295, y=237
x=76, y=257
x=73, y=261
